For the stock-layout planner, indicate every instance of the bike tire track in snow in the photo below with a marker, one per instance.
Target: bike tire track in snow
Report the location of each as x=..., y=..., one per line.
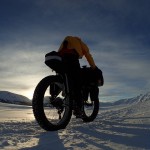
x=126, y=127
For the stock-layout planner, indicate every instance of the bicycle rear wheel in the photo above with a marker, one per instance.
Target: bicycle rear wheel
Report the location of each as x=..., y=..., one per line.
x=91, y=105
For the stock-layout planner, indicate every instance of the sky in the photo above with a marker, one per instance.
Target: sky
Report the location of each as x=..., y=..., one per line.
x=117, y=33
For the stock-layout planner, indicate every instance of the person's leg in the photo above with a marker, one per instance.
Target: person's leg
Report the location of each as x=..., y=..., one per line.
x=74, y=77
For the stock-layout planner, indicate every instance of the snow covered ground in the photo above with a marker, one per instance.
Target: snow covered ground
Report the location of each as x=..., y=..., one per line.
x=118, y=127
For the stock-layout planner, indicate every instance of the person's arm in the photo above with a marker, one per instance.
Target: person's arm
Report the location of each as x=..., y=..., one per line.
x=88, y=55
x=90, y=60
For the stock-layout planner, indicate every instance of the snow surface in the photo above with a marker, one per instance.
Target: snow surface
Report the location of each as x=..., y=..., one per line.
x=117, y=127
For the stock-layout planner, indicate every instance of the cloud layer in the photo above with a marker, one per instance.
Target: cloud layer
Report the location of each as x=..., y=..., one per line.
x=116, y=31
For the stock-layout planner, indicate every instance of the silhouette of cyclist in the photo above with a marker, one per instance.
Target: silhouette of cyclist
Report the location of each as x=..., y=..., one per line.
x=71, y=50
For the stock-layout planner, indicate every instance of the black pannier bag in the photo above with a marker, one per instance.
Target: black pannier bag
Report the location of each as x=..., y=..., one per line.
x=54, y=61
x=90, y=76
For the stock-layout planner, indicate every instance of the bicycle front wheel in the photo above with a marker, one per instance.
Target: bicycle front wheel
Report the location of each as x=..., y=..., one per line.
x=51, y=105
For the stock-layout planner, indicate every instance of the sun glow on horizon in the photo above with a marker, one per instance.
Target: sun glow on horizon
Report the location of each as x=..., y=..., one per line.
x=28, y=93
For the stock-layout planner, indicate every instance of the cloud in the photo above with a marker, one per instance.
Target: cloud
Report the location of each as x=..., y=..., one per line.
x=116, y=31
x=21, y=69
x=125, y=67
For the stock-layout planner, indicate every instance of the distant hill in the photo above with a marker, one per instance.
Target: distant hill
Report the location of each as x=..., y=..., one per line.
x=8, y=97
x=134, y=100
x=12, y=98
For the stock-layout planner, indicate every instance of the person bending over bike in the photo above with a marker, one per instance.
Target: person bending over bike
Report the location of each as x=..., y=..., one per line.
x=71, y=50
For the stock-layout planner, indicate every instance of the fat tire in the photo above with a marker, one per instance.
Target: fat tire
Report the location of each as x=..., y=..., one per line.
x=94, y=113
x=38, y=109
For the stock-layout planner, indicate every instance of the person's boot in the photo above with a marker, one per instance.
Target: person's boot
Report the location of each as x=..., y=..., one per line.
x=78, y=112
